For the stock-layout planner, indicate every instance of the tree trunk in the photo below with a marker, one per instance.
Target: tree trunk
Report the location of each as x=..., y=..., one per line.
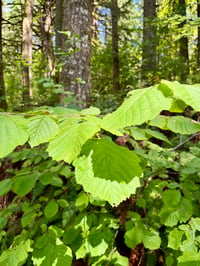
x=45, y=26
x=115, y=46
x=149, y=53
x=75, y=74
x=58, y=23
x=184, y=56
x=198, y=42
x=27, y=51
x=3, y=104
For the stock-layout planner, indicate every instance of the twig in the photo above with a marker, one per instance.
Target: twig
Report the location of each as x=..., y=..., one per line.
x=185, y=141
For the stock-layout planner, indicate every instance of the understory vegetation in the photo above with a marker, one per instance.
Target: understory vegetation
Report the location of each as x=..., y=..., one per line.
x=80, y=187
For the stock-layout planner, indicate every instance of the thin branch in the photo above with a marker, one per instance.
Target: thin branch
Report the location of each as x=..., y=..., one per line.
x=185, y=141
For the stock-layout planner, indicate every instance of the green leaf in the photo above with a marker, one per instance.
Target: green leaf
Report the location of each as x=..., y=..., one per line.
x=183, y=125
x=53, y=253
x=96, y=244
x=5, y=186
x=51, y=209
x=112, y=191
x=111, y=161
x=141, y=106
x=174, y=238
x=157, y=135
x=189, y=258
x=91, y=111
x=190, y=94
x=171, y=197
x=82, y=201
x=160, y=121
x=67, y=144
x=151, y=240
x=13, y=132
x=42, y=128
x=178, y=106
x=138, y=133
x=22, y=185
x=16, y=256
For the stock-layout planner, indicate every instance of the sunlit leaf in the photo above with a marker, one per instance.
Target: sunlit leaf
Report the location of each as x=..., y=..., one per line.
x=141, y=106
x=42, y=129
x=67, y=144
x=13, y=132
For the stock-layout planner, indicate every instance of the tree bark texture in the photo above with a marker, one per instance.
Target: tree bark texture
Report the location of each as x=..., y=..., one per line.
x=46, y=34
x=3, y=104
x=75, y=74
x=198, y=41
x=27, y=50
x=184, y=56
x=58, y=23
x=149, y=50
x=115, y=45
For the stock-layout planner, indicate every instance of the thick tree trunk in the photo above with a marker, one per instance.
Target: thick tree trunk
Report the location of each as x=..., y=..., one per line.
x=115, y=45
x=45, y=26
x=198, y=42
x=27, y=51
x=149, y=53
x=184, y=56
x=75, y=74
x=3, y=104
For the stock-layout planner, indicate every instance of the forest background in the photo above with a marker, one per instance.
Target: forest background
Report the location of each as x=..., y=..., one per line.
x=86, y=177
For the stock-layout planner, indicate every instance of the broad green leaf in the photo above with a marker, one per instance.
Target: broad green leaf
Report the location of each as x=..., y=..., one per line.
x=67, y=144
x=141, y=106
x=169, y=216
x=178, y=106
x=5, y=186
x=111, y=161
x=134, y=236
x=138, y=133
x=42, y=129
x=183, y=125
x=151, y=240
x=51, y=208
x=185, y=210
x=52, y=254
x=157, y=135
x=160, y=121
x=174, y=239
x=112, y=191
x=119, y=260
x=189, y=258
x=16, y=256
x=82, y=201
x=190, y=94
x=195, y=224
x=22, y=185
x=96, y=244
x=91, y=111
x=13, y=132
x=171, y=197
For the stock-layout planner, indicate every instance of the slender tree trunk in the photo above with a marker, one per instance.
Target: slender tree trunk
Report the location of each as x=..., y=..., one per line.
x=3, y=104
x=149, y=50
x=75, y=74
x=45, y=26
x=27, y=51
x=184, y=56
x=115, y=45
x=58, y=23
x=198, y=42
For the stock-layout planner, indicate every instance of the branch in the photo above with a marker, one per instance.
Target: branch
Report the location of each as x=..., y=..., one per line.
x=182, y=143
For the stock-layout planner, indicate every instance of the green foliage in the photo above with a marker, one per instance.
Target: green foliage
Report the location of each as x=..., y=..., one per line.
x=66, y=191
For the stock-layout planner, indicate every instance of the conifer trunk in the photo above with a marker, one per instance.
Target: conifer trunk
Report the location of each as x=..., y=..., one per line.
x=75, y=74
x=3, y=104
